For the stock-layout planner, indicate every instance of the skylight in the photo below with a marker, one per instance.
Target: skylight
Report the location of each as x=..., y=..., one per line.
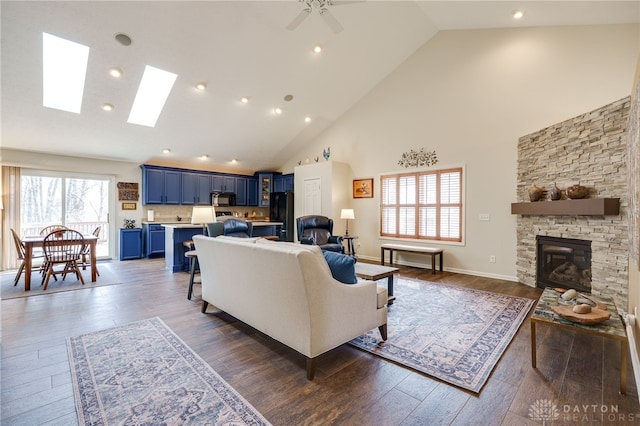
x=64, y=67
x=152, y=94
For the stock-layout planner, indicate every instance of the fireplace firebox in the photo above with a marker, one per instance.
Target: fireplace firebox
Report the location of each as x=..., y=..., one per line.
x=563, y=262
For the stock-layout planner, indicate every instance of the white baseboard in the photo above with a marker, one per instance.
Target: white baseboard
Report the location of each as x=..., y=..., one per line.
x=455, y=270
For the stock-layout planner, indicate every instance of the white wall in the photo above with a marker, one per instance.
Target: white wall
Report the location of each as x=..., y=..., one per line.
x=469, y=95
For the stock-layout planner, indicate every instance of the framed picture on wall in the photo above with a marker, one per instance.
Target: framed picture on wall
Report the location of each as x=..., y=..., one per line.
x=363, y=188
x=128, y=206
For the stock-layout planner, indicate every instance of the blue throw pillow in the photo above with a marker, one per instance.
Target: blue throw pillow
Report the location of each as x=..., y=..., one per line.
x=342, y=267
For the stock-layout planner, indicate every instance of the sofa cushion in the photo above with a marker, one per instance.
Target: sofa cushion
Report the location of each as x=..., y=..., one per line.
x=342, y=267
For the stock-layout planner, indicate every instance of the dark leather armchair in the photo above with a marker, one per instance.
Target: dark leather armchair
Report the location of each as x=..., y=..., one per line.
x=318, y=230
x=230, y=227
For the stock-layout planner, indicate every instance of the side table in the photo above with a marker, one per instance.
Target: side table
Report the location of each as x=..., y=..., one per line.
x=349, y=238
x=613, y=328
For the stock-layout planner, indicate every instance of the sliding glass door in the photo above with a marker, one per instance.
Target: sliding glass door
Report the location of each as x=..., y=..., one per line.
x=78, y=202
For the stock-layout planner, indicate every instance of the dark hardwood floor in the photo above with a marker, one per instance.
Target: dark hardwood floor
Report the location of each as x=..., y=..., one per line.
x=351, y=387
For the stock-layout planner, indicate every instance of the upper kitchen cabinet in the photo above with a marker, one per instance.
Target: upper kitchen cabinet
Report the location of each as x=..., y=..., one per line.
x=160, y=185
x=196, y=189
x=265, y=188
x=241, y=191
x=283, y=183
x=252, y=192
x=224, y=183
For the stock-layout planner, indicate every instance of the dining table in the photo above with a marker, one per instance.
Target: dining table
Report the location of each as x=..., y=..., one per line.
x=36, y=241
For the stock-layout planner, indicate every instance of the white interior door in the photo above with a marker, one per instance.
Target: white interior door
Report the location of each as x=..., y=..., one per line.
x=312, y=197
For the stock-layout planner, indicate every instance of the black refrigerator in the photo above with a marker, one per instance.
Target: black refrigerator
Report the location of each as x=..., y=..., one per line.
x=281, y=210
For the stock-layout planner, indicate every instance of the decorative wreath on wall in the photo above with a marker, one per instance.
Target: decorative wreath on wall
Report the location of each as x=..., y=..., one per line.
x=420, y=158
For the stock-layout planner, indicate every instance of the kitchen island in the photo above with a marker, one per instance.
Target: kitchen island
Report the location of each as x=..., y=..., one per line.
x=177, y=233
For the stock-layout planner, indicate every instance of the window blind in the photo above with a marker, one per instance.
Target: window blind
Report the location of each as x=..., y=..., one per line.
x=422, y=205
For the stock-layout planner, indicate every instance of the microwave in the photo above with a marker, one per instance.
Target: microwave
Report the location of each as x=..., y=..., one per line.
x=223, y=199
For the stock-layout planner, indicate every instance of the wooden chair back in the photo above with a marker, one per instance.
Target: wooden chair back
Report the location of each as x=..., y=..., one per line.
x=18, y=243
x=49, y=229
x=63, y=245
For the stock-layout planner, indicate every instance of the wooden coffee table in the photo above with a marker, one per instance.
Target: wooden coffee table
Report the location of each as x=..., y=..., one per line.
x=373, y=272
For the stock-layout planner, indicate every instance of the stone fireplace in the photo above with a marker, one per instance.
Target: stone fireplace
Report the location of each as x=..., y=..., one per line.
x=589, y=150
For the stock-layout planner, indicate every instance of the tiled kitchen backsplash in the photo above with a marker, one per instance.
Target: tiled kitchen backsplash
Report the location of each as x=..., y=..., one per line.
x=171, y=213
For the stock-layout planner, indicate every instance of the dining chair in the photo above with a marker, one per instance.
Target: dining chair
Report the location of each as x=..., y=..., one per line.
x=63, y=247
x=50, y=228
x=21, y=255
x=86, y=250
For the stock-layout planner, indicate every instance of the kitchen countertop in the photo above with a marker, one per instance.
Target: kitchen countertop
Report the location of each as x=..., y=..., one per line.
x=190, y=225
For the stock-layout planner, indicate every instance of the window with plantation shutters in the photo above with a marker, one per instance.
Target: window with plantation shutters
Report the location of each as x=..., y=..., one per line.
x=422, y=205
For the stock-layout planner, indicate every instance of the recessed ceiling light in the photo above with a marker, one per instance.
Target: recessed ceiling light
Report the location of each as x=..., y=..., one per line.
x=115, y=72
x=317, y=48
x=307, y=119
x=277, y=111
x=152, y=94
x=107, y=107
x=201, y=86
x=244, y=99
x=64, y=67
x=123, y=39
x=204, y=156
x=166, y=151
x=234, y=161
x=517, y=14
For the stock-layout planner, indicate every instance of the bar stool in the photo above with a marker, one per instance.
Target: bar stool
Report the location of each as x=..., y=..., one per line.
x=193, y=259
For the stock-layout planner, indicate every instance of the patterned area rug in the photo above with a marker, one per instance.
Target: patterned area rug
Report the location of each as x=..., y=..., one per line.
x=451, y=333
x=9, y=291
x=142, y=373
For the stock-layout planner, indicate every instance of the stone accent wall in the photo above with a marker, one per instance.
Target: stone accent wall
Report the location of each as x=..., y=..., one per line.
x=590, y=150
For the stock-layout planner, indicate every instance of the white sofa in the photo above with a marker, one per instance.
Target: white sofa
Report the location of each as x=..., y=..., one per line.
x=286, y=291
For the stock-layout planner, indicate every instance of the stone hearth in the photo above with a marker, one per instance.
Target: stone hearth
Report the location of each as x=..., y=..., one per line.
x=590, y=150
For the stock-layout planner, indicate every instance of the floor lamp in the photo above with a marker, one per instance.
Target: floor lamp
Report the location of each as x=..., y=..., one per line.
x=347, y=214
x=201, y=215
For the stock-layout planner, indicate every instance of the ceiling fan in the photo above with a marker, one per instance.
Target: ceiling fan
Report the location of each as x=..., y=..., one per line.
x=322, y=7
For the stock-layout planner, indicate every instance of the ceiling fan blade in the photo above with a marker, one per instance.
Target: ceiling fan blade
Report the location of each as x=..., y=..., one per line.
x=298, y=19
x=331, y=21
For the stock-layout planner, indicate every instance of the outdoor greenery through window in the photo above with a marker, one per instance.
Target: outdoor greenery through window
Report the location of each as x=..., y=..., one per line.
x=80, y=203
x=422, y=205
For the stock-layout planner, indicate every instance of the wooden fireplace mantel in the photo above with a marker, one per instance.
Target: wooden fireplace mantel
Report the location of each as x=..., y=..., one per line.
x=583, y=207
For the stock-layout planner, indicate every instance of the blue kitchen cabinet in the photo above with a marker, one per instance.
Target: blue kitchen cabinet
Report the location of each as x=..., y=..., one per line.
x=160, y=186
x=224, y=183
x=241, y=191
x=175, y=259
x=252, y=192
x=130, y=243
x=283, y=183
x=153, y=239
x=265, y=188
x=196, y=189
x=288, y=182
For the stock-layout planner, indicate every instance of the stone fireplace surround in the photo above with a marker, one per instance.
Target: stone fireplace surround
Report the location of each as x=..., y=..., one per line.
x=589, y=149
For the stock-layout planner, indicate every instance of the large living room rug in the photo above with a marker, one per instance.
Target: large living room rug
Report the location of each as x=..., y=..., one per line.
x=452, y=333
x=142, y=373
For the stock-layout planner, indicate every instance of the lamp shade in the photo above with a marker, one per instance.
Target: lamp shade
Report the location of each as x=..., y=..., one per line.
x=347, y=214
x=203, y=214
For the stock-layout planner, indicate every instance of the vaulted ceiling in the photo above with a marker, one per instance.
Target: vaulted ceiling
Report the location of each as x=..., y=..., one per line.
x=238, y=48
